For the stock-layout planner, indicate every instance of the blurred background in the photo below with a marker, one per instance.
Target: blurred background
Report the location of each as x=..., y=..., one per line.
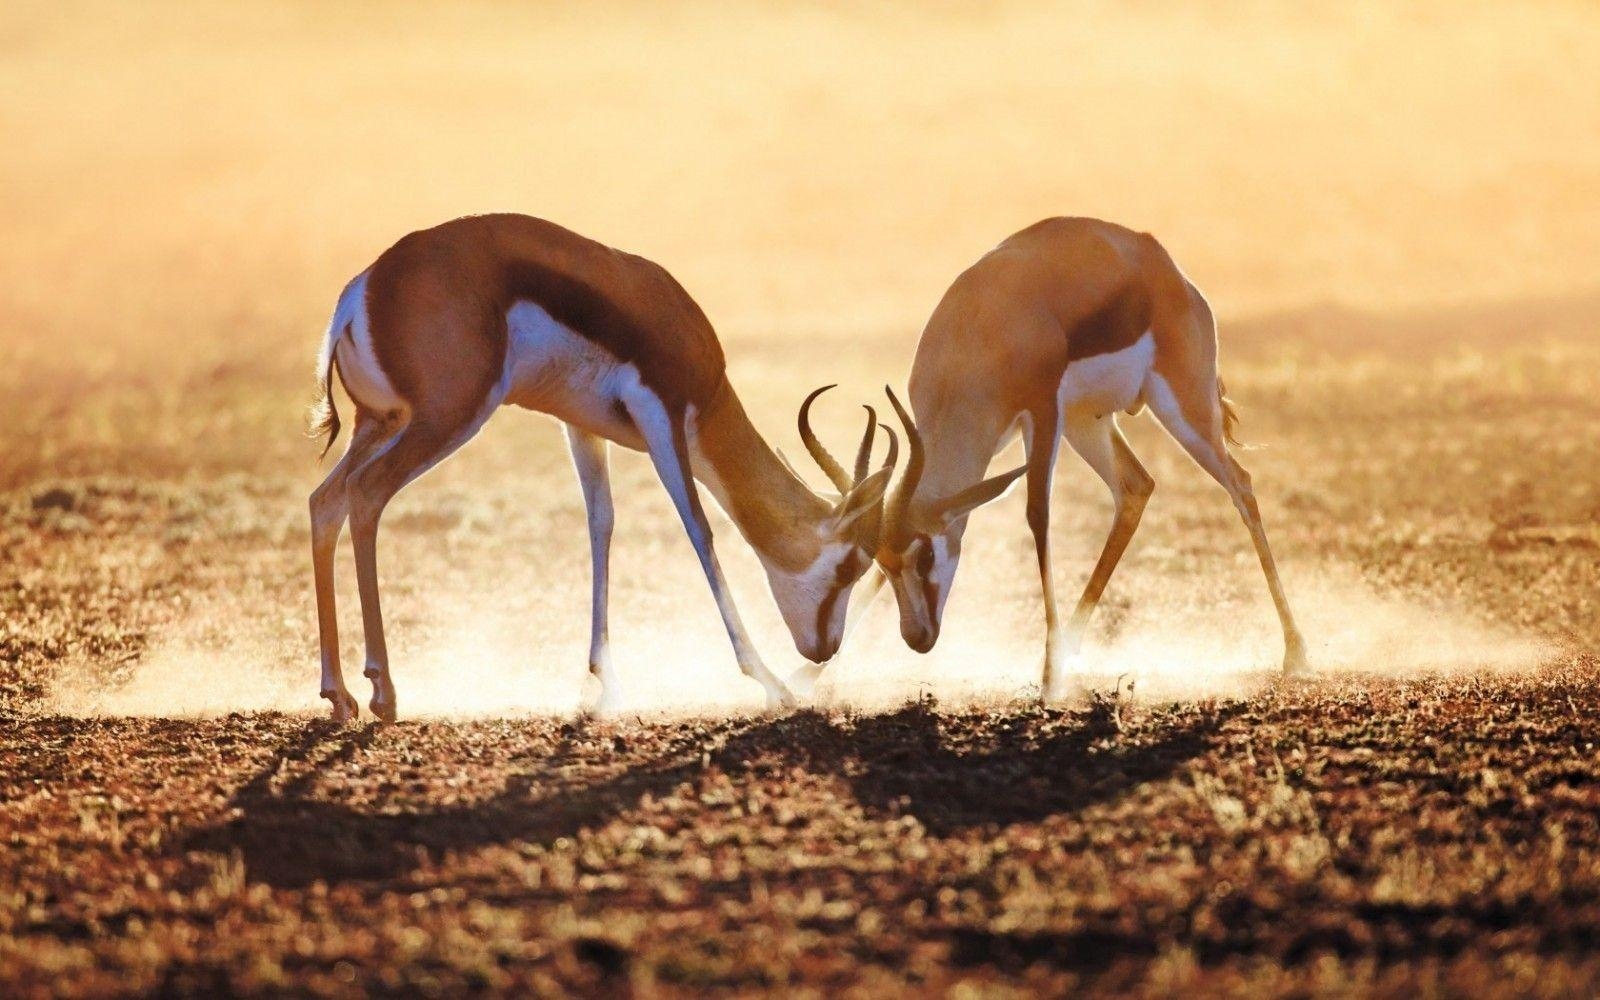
x=1393, y=207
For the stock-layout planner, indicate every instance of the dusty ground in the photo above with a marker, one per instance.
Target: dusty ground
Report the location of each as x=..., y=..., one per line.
x=1392, y=208
x=1403, y=837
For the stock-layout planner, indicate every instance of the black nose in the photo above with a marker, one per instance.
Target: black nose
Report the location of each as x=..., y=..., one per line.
x=822, y=652
x=921, y=639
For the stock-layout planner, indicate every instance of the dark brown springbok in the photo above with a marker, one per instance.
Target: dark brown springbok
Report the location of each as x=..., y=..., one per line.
x=452, y=322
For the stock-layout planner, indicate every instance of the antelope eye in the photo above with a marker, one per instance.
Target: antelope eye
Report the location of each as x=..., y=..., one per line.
x=925, y=558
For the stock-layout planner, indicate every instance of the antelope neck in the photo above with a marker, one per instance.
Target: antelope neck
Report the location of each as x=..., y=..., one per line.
x=958, y=450
x=773, y=509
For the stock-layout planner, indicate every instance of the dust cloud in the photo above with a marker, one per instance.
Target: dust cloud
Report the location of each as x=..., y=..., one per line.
x=477, y=664
x=1170, y=650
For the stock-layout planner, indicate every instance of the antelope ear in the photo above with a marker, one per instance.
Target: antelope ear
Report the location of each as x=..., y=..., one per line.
x=973, y=497
x=789, y=465
x=827, y=495
x=865, y=498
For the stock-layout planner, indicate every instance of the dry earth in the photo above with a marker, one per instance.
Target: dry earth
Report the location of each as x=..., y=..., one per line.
x=1421, y=817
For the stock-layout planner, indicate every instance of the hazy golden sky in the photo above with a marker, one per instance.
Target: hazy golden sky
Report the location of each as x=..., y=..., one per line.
x=799, y=167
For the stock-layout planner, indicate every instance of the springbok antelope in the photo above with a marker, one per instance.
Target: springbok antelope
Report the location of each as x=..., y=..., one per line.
x=1050, y=335
x=452, y=322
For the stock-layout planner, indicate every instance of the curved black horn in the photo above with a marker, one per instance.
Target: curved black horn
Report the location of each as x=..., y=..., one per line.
x=870, y=533
x=831, y=468
x=900, y=503
x=864, y=453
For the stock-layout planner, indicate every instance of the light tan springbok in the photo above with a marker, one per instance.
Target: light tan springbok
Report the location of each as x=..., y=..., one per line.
x=452, y=322
x=1050, y=335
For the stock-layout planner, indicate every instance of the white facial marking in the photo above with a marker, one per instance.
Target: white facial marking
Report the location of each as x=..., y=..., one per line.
x=910, y=589
x=911, y=596
x=1106, y=383
x=800, y=594
x=944, y=572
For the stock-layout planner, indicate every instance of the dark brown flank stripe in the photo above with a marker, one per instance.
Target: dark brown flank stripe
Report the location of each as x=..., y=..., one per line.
x=628, y=306
x=600, y=319
x=1114, y=326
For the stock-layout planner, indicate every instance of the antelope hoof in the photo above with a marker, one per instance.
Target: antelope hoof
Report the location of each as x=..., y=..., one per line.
x=779, y=696
x=1063, y=678
x=1294, y=660
x=382, y=703
x=803, y=682
x=344, y=706
x=606, y=702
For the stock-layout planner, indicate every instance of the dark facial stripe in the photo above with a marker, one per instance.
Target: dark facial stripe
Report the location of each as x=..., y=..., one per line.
x=825, y=612
x=844, y=577
x=930, y=594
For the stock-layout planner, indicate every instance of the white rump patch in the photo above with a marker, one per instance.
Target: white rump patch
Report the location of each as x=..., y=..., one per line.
x=364, y=378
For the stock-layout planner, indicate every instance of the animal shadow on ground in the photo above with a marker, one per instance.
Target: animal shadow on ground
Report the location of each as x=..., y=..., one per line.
x=1014, y=768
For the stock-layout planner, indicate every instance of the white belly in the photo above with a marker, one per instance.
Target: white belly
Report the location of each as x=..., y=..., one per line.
x=551, y=369
x=1106, y=383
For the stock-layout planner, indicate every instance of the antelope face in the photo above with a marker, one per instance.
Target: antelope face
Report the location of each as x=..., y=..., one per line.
x=921, y=539
x=813, y=601
x=921, y=573
x=813, y=598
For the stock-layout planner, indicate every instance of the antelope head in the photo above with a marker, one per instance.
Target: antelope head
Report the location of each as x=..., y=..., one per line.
x=813, y=599
x=920, y=539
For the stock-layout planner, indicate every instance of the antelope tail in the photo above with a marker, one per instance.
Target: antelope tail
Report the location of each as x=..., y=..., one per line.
x=1230, y=416
x=323, y=417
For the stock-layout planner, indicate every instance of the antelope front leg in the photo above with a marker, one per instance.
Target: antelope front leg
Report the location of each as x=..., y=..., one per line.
x=1061, y=656
x=1060, y=650
x=589, y=458
x=668, y=445
x=1099, y=442
x=1244, y=496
